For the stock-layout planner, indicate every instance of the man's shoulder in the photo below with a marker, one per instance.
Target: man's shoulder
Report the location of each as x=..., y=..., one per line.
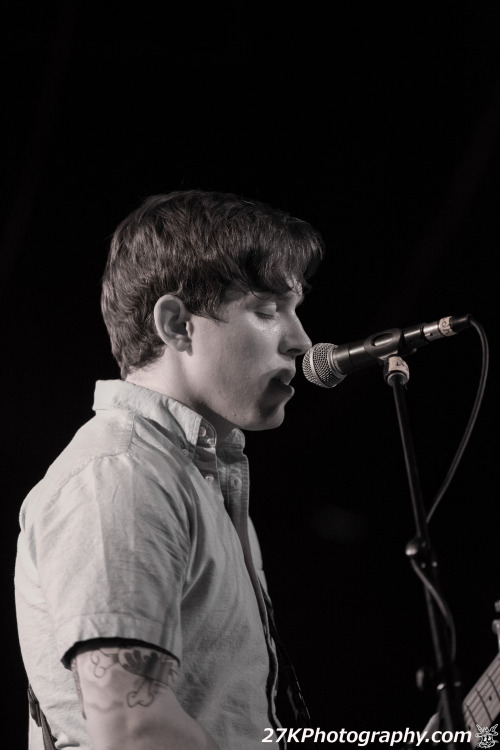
x=109, y=450
x=106, y=434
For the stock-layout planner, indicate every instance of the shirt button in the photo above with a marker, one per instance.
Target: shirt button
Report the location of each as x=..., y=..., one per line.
x=209, y=478
x=185, y=451
x=236, y=483
x=203, y=431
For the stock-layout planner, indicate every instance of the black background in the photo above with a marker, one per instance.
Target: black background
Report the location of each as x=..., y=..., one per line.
x=377, y=122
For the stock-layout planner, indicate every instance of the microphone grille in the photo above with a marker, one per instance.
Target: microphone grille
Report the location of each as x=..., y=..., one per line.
x=317, y=368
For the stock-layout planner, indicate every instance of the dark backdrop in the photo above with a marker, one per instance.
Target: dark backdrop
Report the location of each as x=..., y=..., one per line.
x=377, y=122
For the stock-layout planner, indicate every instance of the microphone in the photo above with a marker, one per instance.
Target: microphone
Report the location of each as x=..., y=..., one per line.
x=327, y=365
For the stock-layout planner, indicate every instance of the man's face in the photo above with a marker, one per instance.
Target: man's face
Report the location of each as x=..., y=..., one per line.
x=239, y=369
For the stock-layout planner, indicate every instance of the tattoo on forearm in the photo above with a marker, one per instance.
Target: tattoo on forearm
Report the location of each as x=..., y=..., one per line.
x=155, y=668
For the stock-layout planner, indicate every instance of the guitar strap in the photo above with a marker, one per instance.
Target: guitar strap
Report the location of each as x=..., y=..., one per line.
x=293, y=690
x=40, y=720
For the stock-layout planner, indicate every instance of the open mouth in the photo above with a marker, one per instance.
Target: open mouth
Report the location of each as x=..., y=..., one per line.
x=283, y=385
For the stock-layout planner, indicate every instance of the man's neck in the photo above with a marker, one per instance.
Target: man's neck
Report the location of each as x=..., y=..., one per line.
x=151, y=379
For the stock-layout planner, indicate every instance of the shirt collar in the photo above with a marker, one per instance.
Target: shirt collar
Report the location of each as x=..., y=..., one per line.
x=175, y=417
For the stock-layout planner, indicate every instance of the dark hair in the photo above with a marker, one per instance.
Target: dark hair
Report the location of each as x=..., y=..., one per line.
x=195, y=245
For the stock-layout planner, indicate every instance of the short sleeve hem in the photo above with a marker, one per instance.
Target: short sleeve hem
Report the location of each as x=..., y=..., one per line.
x=115, y=625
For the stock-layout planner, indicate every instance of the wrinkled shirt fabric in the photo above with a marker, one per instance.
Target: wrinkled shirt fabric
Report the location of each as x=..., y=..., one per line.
x=140, y=530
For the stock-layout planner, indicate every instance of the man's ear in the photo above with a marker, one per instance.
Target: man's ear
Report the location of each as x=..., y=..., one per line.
x=171, y=316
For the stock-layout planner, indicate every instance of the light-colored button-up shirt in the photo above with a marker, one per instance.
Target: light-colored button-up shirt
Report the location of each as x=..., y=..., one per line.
x=140, y=530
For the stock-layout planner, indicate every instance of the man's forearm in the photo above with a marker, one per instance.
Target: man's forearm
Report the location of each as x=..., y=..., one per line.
x=184, y=734
x=176, y=731
x=128, y=700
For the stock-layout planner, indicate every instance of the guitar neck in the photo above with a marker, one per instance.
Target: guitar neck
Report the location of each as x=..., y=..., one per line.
x=482, y=704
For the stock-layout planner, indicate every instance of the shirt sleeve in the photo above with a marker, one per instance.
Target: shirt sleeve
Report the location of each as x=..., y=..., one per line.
x=111, y=548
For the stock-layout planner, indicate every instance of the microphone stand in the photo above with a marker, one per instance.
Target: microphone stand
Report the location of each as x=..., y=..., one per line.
x=423, y=558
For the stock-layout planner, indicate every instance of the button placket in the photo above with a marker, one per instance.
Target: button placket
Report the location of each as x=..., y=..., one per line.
x=235, y=482
x=206, y=456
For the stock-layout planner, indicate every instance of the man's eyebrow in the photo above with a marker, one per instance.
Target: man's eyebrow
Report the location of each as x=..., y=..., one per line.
x=279, y=297
x=290, y=295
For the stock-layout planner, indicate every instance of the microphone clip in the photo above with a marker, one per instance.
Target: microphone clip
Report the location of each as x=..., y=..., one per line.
x=396, y=366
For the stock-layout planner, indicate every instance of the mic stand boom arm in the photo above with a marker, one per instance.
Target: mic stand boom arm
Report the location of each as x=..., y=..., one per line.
x=423, y=560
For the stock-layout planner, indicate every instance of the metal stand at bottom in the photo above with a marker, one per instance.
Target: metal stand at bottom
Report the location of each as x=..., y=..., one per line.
x=423, y=559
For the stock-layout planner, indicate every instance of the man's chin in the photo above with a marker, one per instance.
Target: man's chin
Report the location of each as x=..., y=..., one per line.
x=266, y=422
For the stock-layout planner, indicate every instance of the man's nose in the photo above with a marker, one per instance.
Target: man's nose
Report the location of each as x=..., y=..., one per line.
x=296, y=341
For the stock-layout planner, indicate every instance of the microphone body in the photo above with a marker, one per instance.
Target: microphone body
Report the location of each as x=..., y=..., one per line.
x=327, y=365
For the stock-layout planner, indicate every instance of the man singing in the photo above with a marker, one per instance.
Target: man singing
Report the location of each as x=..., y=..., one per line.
x=143, y=617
